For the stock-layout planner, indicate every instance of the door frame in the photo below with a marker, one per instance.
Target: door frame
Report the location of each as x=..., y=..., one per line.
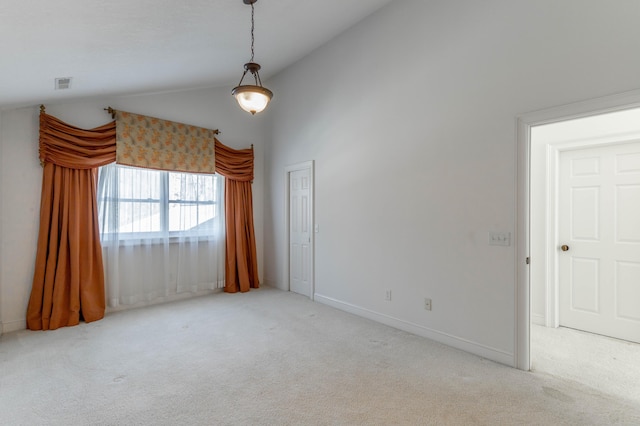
x=306, y=165
x=524, y=124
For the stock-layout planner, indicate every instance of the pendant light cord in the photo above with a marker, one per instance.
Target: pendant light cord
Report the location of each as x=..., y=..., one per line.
x=252, y=28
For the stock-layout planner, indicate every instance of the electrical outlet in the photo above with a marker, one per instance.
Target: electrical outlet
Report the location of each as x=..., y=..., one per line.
x=427, y=303
x=387, y=296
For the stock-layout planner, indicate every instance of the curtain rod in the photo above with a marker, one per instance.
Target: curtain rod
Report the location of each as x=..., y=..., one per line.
x=113, y=115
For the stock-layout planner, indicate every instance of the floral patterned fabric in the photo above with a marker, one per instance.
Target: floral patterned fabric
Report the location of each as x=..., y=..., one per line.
x=154, y=143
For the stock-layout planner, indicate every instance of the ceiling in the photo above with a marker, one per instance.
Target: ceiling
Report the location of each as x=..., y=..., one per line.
x=146, y=46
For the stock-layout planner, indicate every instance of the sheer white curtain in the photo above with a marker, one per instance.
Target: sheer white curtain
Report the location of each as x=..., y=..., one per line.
x=162, y=233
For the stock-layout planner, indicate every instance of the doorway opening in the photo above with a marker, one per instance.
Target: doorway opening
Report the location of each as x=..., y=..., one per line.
x=557, y=223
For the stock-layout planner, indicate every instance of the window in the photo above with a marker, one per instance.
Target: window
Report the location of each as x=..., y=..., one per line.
x=140, y=203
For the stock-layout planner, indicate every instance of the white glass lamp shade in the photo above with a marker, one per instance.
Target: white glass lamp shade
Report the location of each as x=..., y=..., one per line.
x=252, y=98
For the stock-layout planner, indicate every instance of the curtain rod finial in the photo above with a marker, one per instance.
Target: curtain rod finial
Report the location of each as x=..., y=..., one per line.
x=111, y=111
x=42, y=108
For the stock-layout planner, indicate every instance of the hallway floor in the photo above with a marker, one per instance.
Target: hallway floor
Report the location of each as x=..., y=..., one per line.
x=610, y=365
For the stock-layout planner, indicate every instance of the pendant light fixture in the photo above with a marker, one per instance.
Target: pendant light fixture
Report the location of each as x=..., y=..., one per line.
x=252, y=97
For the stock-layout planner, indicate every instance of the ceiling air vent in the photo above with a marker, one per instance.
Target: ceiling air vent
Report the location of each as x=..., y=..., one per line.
x=63, y=83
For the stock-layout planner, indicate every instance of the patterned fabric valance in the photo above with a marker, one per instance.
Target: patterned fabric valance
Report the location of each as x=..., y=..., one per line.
x=154, y=143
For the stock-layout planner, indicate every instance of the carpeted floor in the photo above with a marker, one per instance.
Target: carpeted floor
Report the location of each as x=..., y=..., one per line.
x=609, y=365
x=269, y=357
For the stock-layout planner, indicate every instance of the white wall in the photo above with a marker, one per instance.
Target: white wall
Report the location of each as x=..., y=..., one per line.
x=20, y=172
x=410, y=117
x=20, y=186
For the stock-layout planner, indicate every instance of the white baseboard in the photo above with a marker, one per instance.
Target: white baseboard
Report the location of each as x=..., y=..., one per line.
x=269, y=283
x=17, y=325
x=273, y=284
x=493, y=354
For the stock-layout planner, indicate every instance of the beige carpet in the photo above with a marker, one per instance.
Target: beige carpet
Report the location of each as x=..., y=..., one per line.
x=272, y=358
x=609, y=365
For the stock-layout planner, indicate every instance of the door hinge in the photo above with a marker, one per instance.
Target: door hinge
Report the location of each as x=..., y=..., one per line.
x=527, y=261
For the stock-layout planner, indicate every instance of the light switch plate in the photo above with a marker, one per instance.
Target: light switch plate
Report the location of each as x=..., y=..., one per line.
x=499, y=238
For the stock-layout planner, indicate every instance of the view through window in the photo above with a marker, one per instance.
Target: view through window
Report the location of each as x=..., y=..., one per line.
x=135, y=202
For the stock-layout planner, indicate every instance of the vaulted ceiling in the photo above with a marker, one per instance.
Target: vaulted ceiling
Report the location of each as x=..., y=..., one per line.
x=144, y=46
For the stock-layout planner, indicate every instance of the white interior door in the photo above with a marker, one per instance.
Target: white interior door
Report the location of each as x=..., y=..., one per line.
x=300, y=231
x=599, y=223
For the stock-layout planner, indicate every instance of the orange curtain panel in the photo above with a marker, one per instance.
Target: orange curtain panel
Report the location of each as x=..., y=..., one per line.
x=241, y=271
x=68, y=282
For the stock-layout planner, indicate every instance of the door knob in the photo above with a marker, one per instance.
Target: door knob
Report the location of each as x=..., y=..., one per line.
x=564, y=247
